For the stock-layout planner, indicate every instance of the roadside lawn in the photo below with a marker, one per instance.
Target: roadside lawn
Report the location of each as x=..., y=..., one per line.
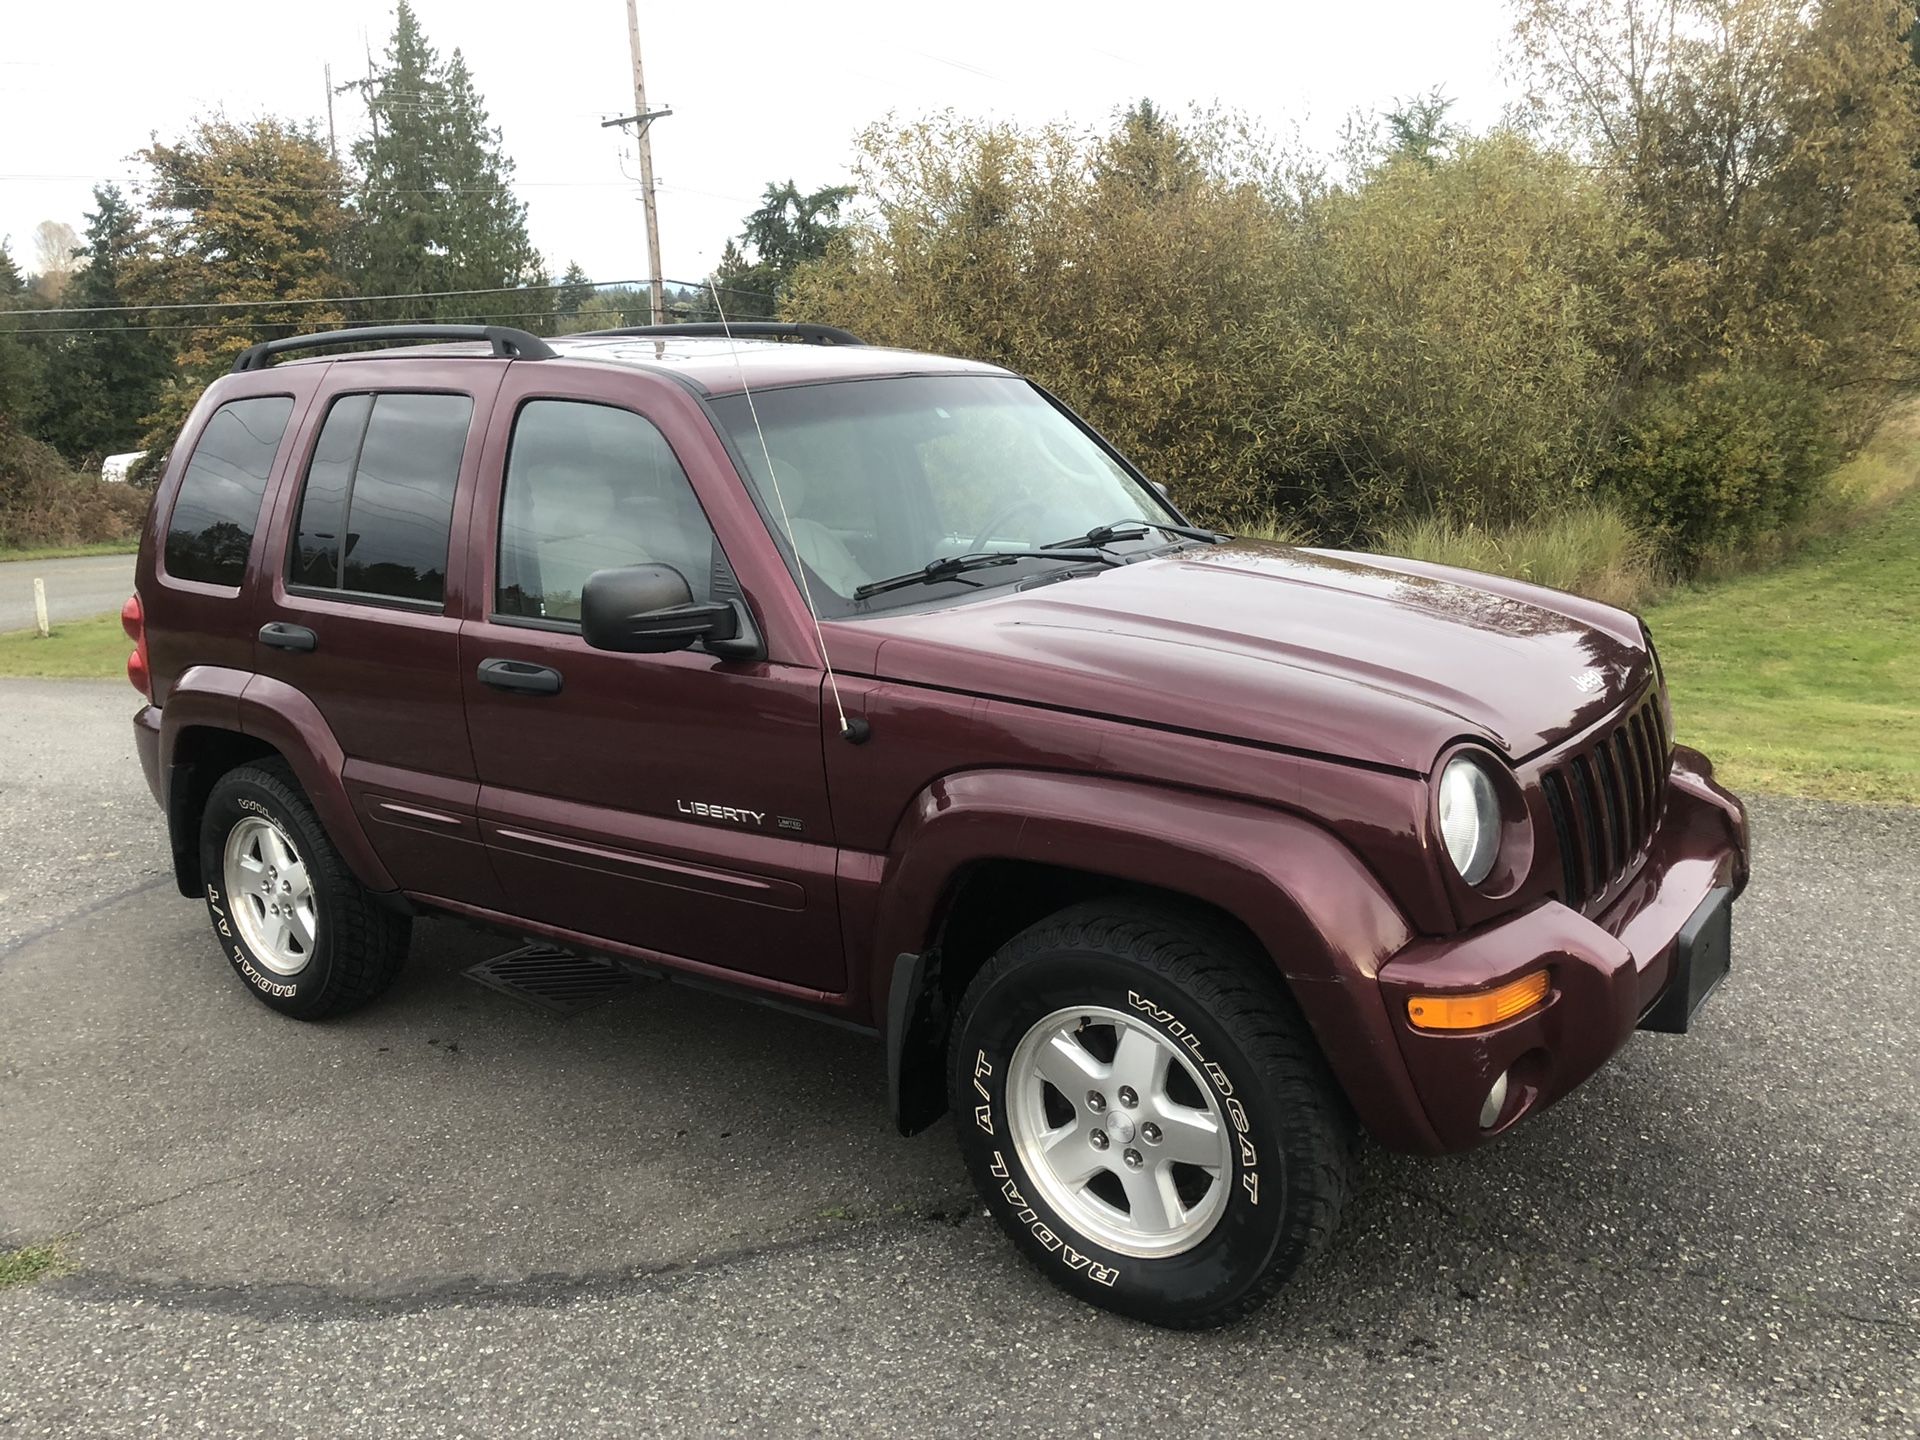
x=1805, y=679
x=77, y=649
x=69, y=552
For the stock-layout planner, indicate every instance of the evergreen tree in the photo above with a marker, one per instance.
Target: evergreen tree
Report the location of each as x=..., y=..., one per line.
x=102, y=384
x=1147, y=156
x=788, y=229
x=573, y=291
x=19, y=365
x=437, y=210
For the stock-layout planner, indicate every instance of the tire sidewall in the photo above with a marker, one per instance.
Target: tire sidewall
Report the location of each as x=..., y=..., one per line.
x=244, y=795
x=1235, y=1253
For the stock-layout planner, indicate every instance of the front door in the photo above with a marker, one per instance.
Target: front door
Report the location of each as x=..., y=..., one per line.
x=674, y=803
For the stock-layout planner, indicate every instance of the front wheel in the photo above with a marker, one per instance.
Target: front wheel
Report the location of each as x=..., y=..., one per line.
x=1146, y=1113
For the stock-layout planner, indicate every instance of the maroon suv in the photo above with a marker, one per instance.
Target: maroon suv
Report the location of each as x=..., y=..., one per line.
x=877, y=684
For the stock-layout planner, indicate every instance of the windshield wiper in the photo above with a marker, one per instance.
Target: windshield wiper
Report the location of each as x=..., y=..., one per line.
x=1134, y=530
x=953, y=565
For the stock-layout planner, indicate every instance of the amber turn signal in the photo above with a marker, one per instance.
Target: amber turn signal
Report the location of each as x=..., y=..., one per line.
x=1480, y=1008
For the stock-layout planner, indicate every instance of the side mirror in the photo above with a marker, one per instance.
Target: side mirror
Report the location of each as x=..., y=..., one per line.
x=648, y=610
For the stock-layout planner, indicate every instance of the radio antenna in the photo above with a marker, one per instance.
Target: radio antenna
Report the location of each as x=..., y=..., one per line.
x=855, y=731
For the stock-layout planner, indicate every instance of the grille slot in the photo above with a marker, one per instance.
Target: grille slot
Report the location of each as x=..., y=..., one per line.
x=1605, y=801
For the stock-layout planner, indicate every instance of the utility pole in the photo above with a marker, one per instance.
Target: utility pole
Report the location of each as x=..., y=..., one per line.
x=642, y=120
x=333, y=145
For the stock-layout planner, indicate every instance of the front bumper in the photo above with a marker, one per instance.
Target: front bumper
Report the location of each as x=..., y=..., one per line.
x=1606, y=972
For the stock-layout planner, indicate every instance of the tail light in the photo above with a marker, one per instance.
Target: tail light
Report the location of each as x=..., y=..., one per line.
x=134, y=623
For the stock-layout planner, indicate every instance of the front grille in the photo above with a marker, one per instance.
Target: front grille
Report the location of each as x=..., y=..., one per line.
x=1605, y=800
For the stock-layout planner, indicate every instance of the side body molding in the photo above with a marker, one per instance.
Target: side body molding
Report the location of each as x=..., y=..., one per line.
x=1308, y=900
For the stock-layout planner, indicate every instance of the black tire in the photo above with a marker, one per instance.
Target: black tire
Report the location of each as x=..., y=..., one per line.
x=1195, y=982
x=359, y=944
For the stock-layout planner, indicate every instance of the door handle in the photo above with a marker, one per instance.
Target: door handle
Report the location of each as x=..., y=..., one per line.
x=521, y=675
x=288, y=637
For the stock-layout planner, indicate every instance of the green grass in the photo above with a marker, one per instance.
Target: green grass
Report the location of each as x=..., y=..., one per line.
x=69, y=552
x=79, y=649
x=23, y=1267
x=1805, y=679
x=1590, y=548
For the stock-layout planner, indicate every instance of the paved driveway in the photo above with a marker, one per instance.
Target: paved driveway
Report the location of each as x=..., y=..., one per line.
x=76, y=588
x=677, y=1213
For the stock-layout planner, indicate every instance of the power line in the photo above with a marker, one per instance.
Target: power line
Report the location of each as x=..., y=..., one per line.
x=597, y=285
x=476, y=317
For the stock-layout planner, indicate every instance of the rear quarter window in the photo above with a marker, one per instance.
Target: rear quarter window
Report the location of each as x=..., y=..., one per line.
x=218, y=506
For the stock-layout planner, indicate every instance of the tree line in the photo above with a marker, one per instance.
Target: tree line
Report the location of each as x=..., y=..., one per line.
x=1684, y=279
x=1681, y=280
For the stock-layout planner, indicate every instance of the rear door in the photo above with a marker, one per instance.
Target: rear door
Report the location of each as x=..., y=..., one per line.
x=362, y=613
x=675, y=803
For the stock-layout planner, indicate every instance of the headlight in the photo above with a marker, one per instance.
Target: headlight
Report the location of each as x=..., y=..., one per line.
x=1469, y=818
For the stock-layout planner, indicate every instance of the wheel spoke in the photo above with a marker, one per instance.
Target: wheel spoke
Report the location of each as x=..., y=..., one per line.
x=284, y=856
x=1071, y=1158
x=294, y=878
x=1141, y=1062
x=1189, y=1136
x=250, y=863
x=1152, y=1203
x=1066, y=1064
x=300, y=923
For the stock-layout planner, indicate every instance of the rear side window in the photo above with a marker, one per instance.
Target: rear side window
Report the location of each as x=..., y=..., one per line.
x=218, y=507
x=378, y=501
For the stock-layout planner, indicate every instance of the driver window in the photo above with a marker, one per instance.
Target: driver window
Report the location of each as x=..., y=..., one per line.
x=590, y=487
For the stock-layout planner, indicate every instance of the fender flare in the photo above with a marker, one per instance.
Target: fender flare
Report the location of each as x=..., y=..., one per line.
x=1309, y=901
x=219, y=698
x=273, y=711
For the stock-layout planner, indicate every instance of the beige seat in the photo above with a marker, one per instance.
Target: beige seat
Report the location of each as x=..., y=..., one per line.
x=823, y=551
x=576, y=512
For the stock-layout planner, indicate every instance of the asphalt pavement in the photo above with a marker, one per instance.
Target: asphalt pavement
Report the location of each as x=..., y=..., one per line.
x=77, y=587
x=679, y=1213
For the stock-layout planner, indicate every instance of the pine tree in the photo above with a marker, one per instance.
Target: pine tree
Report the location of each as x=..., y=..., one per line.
x=788, y=229
x=19, y=365
x=437, y=210
x=102, y=384
x=574, y=291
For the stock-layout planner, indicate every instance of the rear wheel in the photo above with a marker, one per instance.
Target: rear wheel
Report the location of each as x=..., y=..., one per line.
x=1146, y=1113
x=290, y=917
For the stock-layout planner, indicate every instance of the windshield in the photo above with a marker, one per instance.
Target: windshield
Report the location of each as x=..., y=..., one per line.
x=883, y=477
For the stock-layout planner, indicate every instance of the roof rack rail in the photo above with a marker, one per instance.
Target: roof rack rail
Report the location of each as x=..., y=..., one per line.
x=741, y=329
x=508, y=343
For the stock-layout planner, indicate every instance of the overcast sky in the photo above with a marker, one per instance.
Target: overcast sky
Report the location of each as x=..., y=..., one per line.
x=759, y=91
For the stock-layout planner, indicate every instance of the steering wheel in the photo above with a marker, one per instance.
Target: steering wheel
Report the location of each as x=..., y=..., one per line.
x=1002, y=516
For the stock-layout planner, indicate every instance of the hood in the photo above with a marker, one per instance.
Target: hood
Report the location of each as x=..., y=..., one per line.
x=1359, y=657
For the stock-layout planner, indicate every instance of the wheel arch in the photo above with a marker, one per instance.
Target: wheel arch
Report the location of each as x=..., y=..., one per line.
x=217, y=719
x=983, y=854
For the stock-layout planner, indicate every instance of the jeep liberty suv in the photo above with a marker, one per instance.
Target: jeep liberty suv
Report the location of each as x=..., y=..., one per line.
x=877, y=684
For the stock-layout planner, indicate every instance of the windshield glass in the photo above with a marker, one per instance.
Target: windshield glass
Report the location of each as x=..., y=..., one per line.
x=882, y=477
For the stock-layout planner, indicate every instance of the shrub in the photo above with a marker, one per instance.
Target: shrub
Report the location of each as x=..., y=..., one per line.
x=1724, y=461
x=1468, y=310
x=42, y=502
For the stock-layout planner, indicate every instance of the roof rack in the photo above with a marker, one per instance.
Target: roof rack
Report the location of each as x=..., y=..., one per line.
x=508, y=343
x=741, y=329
